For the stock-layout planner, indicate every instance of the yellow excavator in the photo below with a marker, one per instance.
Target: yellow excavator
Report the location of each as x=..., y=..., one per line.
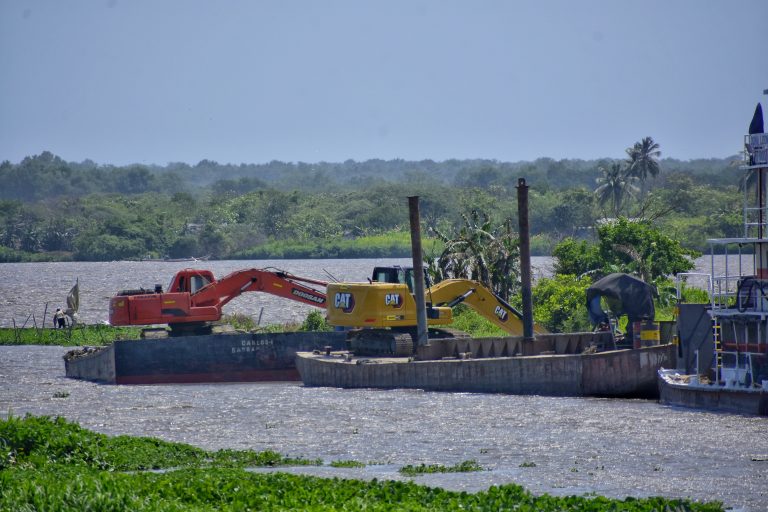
x=383, y=310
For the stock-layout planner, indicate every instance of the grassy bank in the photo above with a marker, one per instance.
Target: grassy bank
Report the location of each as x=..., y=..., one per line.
x=91, y=335
x=51, y=464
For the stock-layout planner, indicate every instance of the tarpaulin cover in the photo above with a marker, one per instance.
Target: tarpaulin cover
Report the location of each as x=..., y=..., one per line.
x=626, y=295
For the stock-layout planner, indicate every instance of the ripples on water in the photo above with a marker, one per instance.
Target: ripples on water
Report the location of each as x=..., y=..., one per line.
x=616, y=448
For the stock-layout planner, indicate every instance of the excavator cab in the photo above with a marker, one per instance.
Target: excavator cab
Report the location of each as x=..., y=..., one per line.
x=397, y=274
x=190, y=280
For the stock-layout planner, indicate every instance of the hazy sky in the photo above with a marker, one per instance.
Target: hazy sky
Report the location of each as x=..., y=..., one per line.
x=158, y=81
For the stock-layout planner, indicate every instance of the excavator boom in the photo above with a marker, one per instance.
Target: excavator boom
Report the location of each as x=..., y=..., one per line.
x=195, y=296
x=451, y=292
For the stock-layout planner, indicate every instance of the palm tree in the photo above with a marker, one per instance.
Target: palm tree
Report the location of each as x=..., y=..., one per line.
x=480, y=252
x=643, y=159
x=615, y=185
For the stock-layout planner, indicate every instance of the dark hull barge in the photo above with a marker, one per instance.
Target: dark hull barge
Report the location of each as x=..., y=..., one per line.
x=232, y=357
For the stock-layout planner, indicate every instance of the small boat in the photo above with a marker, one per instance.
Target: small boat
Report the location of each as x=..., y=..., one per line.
x=699, y=392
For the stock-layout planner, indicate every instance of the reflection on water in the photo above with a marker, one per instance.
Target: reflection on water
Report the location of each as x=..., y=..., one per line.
x=616, y=448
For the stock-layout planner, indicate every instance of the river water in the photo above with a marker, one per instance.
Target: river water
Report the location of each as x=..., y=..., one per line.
x=615, y=448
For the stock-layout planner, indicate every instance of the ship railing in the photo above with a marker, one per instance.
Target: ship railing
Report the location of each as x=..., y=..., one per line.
x=724, y=292
x=755, y=221
x=737, y=369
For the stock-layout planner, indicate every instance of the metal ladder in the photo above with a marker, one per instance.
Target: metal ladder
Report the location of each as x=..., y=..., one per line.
x=716, y=338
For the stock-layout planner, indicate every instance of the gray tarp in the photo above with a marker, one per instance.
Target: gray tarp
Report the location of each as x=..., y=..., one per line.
x=626, y=295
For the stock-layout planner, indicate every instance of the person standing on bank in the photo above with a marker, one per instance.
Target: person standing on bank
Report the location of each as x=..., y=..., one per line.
x=59, y=320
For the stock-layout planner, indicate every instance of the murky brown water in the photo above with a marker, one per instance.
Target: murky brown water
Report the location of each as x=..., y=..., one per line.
x=615, y=448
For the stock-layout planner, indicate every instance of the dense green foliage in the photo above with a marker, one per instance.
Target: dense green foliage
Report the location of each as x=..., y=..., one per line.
x=467, y=320
x=57, y=466
x=633, y=247
x=52, y=209
x=559, y=303
x=636, y=247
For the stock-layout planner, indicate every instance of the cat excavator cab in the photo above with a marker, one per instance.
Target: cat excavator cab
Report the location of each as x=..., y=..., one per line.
x=382, y=312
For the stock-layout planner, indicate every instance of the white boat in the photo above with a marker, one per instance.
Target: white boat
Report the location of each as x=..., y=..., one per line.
x=699, y=392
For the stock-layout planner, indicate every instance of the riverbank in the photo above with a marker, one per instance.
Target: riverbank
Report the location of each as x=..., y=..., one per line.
x=66, y=467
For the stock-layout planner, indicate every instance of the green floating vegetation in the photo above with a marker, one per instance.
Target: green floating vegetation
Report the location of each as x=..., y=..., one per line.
x=54, y=465
x=347, y=464
x=38, y=441
x=462, y=467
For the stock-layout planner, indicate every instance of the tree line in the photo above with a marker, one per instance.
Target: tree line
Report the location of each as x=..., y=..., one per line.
x=53, y=209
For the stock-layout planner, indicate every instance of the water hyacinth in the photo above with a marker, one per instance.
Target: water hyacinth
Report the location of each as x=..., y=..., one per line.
x=54, y=465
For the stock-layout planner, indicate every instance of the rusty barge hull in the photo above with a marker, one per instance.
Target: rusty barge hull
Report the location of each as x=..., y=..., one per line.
x=200, y=359
x=612, y=373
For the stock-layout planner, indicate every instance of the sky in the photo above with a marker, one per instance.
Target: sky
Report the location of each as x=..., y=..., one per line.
x=251, y=81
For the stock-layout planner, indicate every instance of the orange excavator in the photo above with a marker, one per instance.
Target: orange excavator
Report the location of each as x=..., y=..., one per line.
x=194, y=297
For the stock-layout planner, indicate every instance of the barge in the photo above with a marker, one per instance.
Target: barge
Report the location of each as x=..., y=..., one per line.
x=573, y=364
x=229, y=357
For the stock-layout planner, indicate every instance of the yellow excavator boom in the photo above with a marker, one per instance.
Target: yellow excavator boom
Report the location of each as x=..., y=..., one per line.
x=499, y=312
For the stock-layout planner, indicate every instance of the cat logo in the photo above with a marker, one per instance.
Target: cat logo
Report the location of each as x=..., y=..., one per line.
x=501, y=313
x=344, y=301
x=393, y=299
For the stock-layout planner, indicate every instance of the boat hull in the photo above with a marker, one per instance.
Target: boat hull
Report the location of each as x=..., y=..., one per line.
x=614, y=373
x=198, y=359
x=712, y=397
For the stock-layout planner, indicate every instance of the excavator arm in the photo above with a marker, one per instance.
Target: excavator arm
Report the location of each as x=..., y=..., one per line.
x=272, y=281
x=452, y=292
x=185, y=303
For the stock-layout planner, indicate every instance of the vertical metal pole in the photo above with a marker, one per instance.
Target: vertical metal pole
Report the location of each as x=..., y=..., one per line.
x=422, y=338
x=525, y=258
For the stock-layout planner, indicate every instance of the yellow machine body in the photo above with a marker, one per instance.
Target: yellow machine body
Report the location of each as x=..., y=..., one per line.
x=383, y=305
x=377, y=305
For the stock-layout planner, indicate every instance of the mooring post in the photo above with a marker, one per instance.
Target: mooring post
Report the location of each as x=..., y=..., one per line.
x=422, y=338
x=525, y=258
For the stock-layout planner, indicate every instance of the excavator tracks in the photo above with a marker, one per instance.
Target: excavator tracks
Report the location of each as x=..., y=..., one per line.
x=391, y=342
